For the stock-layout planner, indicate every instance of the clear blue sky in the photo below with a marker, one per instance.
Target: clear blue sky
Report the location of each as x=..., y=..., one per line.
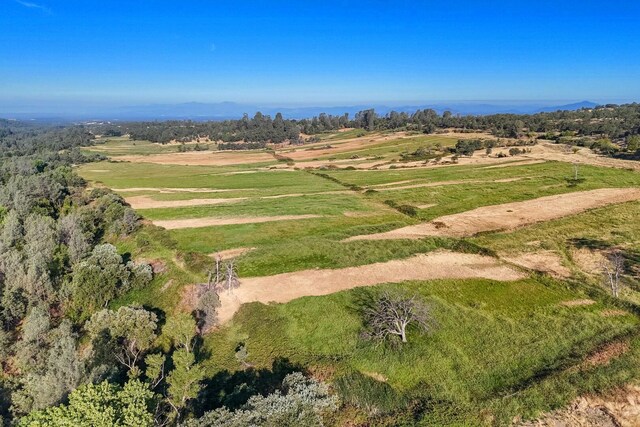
x=320, y=52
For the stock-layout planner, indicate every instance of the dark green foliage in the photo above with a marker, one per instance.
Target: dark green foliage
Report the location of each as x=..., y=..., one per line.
x=368, y=394
x=405, y=209
x=100, y=405
x=466, y=147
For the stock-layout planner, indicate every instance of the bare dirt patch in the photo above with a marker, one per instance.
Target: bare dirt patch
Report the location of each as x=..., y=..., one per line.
x=230, y=253
x=606, y=354
x=427, y=206
x=313, y=151
x=548, y=151
x=173, y=224
x=437, y=265
x=510, y=216
x=616, y=408
x=201, y=158
x=577, y=302
x=613, y=313
x=588, y=260
x=146, y=202
x=545, y=261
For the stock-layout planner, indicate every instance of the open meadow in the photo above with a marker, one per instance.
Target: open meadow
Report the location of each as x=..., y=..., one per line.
x=506, y=252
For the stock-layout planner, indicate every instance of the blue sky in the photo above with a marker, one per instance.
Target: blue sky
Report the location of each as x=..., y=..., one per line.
x=327, y=52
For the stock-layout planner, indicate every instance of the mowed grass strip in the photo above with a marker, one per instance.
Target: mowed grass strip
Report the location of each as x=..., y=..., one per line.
x=148, y=175
x=318, y=204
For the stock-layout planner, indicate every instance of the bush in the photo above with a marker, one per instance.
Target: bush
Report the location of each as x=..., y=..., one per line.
x=366, y=393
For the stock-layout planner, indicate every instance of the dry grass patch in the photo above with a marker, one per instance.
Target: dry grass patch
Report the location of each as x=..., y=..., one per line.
x=146, y=202
x=577, y=302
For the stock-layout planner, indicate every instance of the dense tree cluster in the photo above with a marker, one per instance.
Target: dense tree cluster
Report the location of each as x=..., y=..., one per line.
x=66, y=357
x=18, y=138
x=258, y=129
x=51, y=266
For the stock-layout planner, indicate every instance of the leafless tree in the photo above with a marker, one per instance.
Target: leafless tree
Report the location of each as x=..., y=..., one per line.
x=231, y=280
x=613, y=267
x=215, y=274
x=390, y=315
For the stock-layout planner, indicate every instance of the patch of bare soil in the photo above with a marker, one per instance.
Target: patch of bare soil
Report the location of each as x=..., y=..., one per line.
x=201, y=158
x=313, y=151
x=427, y=206
x=545, y=261
x=189, y=298
x=173, y=224
x=613, y=313
x=588, y=260
x=437, y=265
x=583, y=156
x=616, y=408
x=376, y=376
x=146, y=202
x=606, y=354
x=230, y=253
x=510, y=216
x=577, y=302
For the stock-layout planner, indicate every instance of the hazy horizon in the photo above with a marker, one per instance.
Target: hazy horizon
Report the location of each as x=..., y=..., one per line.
x=84, y=54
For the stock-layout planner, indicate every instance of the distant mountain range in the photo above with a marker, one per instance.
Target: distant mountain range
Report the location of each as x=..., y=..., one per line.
x=232, y=110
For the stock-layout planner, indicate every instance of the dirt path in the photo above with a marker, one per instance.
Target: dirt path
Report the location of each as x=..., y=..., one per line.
x=510, y=215
x=230, y=253
x=437, y=265
x=146, y=202
x=173, y=224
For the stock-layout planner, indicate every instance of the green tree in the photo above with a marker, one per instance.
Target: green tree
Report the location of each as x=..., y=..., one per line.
x=184, y=380
x=99, y=405
x=181, y=329
x=633, y=143
x=131, y=330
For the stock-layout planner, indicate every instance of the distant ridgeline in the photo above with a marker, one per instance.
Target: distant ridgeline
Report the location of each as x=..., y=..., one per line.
x=616, y=122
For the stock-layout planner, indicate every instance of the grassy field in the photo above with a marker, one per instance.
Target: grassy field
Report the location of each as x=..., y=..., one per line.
x=491, y=340
x=121, y=145
x=498, y=350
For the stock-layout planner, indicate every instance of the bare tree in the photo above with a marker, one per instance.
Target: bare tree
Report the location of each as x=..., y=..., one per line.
x=613, y=267
x=231, y=279
x=391, y=314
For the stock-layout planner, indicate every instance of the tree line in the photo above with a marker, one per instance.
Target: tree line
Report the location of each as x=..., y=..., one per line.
x=616, y=122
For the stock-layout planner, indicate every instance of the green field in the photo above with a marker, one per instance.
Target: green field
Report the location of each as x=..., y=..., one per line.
x=498, y=349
